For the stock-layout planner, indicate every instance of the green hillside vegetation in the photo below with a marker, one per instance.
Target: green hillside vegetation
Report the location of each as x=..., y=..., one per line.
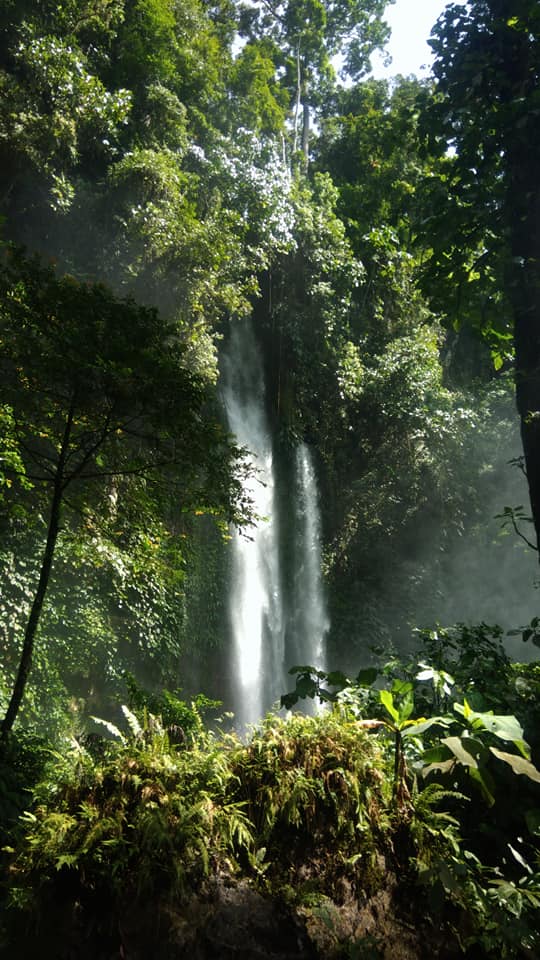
x=402, y=821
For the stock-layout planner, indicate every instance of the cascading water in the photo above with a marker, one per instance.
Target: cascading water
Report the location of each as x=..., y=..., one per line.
x=255, y=600
x=273, y=625
x=310, y=616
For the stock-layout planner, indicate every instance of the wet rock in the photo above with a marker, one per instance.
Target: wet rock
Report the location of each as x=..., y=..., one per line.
x=225, y=921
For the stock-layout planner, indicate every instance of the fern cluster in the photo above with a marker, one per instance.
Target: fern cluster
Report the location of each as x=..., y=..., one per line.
x=145, y=818
x=315, y=793
x=304, y=808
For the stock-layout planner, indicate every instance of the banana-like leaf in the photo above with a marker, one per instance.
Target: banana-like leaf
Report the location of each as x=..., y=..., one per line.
x=416, y=727
x=458, y=747
x=387, y=701
x=502, y=726
x=519, y=765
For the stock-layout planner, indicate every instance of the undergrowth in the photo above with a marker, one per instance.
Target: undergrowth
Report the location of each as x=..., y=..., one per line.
x=315, y=791
x=402, y=784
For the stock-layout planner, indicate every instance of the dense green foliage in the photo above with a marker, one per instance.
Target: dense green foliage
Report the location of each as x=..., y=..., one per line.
x=168, y=169
x=304, y=808
x=484, y=234
x=150, y=166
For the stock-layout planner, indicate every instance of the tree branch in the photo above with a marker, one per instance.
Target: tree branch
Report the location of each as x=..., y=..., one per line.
x=522, y=535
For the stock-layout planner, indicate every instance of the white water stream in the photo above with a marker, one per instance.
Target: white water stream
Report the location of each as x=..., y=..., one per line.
x=255, y=606
x=310, y=615
x=257, y=611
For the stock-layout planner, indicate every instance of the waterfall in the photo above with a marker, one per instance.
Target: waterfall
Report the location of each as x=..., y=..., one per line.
x=310, y=615
x=273, y=625
x=255, y=599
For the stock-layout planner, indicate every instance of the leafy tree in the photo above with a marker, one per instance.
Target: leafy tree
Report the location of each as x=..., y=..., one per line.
x=259, y=101
x=306, y=35
x=487, y=69
x=304, y=314
x=99, y=390
x=122, y=158
x=56, y=113
x=185, y=48
x=371, y=143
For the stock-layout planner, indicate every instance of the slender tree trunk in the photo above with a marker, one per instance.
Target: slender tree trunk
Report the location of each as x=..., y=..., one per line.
x=25, y=662
x=305, y=129
x=297, y=100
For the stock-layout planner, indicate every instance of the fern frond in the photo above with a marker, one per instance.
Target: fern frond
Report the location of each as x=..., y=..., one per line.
x=112, y=729
x=133, y=723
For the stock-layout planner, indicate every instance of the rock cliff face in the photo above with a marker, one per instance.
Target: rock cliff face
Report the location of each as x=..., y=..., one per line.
x=230, y=920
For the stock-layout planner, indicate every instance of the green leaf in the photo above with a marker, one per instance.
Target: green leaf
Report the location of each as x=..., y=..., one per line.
x=505, y=727
x=66, y=860
x=288, y=700
x=365, y=678
x=442, y=766
x=517, y=856
x=306, y=687
x=520, y=765
x=463, y=755
x=387, y=701
x=482, y=778
x=402, y=687
x=532, y=818
x=450, y=882
x=417, y=727
x=326, y=696
x=465, y=710
x=336, y=679
x=112, y=729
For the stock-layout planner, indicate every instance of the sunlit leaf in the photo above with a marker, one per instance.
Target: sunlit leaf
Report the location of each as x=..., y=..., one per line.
x=520, y=765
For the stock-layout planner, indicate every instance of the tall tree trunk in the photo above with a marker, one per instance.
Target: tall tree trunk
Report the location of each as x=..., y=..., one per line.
x=305, y=128
x=25, y=662
x=526, y=303
x=297, y=100
x=523, y=224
